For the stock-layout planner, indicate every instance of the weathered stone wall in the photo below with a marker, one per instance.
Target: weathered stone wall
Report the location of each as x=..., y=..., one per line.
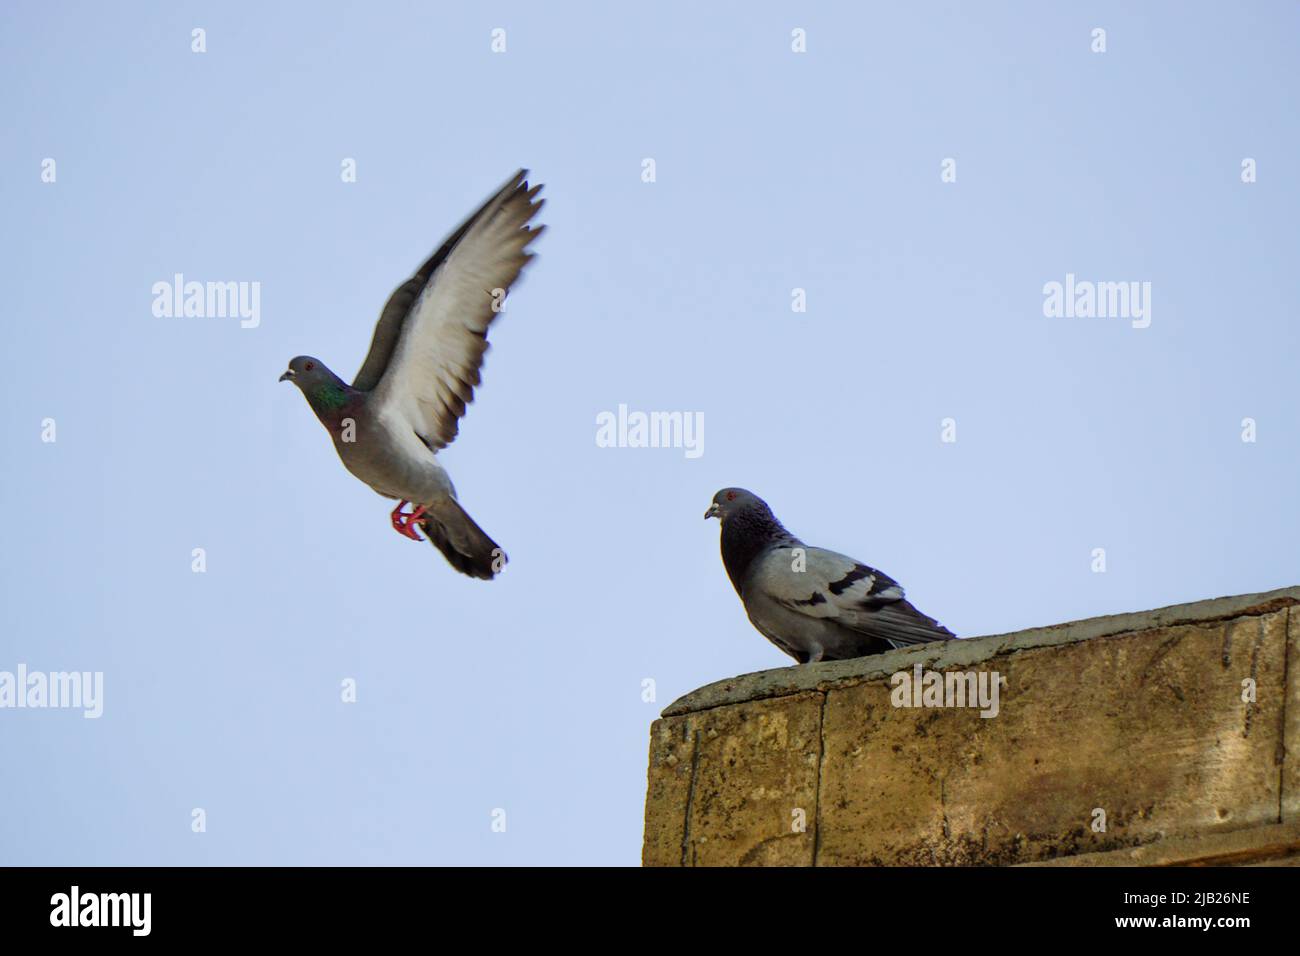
x=1139, y=716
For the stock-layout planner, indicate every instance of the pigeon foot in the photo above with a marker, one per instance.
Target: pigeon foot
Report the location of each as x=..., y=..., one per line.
x=405, y=523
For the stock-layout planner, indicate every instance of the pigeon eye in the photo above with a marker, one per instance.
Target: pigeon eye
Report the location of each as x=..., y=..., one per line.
x=309, y=366
x=731, y=496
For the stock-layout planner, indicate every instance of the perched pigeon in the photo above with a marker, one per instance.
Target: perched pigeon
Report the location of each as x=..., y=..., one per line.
x=812, y=603
x=406, y=401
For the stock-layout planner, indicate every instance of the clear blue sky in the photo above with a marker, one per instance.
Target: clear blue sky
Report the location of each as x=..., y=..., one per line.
x=775, y=170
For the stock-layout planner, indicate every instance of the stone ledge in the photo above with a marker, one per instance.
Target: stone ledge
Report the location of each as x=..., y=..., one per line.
x=1137, y=717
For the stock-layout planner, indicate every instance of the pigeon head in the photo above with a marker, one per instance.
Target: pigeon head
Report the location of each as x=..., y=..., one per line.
x=327, y=394
x=730, y=501
x=305, y=371
x=748, y=530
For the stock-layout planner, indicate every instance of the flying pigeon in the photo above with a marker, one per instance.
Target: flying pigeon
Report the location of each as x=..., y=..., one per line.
x=406, y=402
x=812, y=603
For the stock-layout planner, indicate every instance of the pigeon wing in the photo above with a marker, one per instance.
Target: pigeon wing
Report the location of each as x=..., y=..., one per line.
x=429, y=343
x=853, y=595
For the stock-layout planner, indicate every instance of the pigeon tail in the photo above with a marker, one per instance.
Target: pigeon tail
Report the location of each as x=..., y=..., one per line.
x=903, y=625
x=462, y=542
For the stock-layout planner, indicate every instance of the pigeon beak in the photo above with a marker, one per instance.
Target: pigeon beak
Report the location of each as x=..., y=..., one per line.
x=287, y=376
x=712, y=512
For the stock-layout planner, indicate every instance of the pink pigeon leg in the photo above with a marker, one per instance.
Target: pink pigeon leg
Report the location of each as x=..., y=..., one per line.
x=405, y=524
x=396, y=516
